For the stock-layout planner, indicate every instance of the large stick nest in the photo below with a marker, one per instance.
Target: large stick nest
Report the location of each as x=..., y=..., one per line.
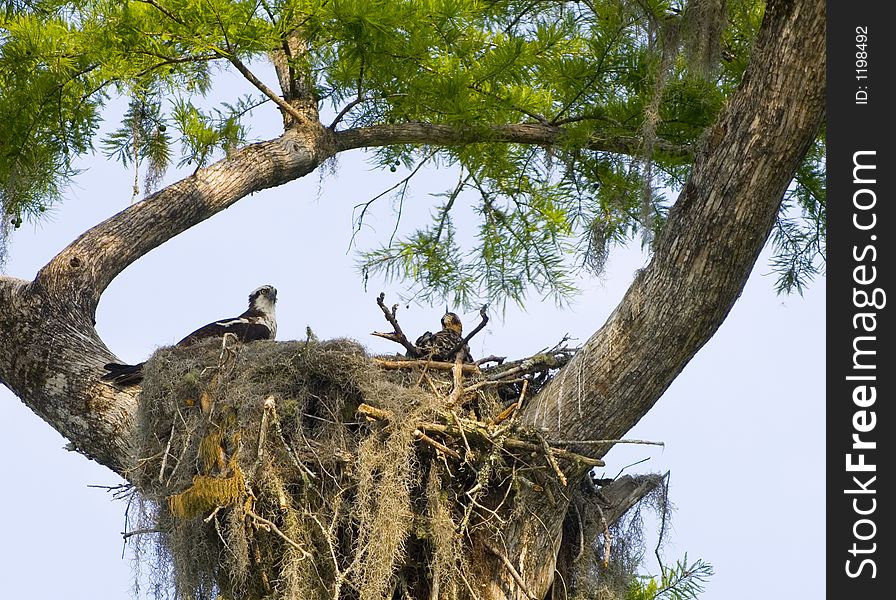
x=312, y=470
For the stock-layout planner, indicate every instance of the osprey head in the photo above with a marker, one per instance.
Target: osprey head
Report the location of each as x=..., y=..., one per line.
x=263, y=299
x=451, y=322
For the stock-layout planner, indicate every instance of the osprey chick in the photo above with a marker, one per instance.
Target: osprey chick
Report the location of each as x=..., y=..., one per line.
x=439, y=345
x=258, y=322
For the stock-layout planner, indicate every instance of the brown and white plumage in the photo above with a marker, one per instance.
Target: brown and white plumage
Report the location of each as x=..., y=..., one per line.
x=439, y=345
x=258, y=322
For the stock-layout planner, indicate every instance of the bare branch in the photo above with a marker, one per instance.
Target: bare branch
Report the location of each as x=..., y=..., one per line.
x=271, y=526
x=359, y=221
x=435, y=444
x=513, y=572
x=434, y=365
x=264, y=89
x=470, y=335
x=602, y=442
x=128, y=534
x=397, y=334
x=519, y=133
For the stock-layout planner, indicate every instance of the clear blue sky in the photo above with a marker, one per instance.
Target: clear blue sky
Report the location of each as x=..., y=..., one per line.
x=743, y=425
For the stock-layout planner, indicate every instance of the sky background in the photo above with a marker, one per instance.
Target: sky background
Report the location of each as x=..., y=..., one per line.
x=743, y=425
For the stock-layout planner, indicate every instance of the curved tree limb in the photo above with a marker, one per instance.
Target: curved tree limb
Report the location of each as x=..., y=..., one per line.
x=50, y=354
x=714, y=234
x=543, y=134
x=84, y=269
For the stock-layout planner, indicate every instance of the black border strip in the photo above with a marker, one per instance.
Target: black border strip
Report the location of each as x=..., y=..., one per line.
x=860, y=274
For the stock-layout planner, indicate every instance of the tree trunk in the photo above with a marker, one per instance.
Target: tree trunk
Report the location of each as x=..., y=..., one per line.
x=51, y=356
x=701, y=262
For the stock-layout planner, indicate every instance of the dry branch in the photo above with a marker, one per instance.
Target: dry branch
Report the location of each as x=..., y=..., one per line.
x=513, y=572
x=469, y=336
x=491, y=358
x=457, y=392
x=435, y=444
x=537, y=363
x=271, y=526
x=471, y=429
x=397, y=334
x=434, y=365
x=549, y=455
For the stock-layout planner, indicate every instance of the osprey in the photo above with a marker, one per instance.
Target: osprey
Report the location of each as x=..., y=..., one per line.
x=257, y=323
x=439, y=345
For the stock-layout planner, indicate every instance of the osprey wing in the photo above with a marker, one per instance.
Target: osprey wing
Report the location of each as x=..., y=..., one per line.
x=257, y=323
x=122, y=374
x=245, y=329
x=425, y=340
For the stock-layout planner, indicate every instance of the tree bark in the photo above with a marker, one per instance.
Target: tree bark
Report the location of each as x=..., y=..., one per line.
x=51, y=357
x=543, y=134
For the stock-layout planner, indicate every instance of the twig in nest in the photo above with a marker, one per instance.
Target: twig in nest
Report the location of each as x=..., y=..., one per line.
x=473, y=494
x=467, y=584
x=601, y=442
x=510, y=410
x=491, y=358
x=457, y=391
x=167, y=451
x=549, y=455
x=608, y=538
x=213, y=517
x=469, y=451
x=290, y=453
x=432, y=386
x=256, y=556
x=377, y=414
x=519, y=402
x=515, y=444
x=118, y=491
x=180, y=458
x=513, y=572
x=437, y=445
x=423, y=376
x=328, y=536
x=227, y=352
x=561, y=345
x=268, y=408
x=491, y=383
x=270, y=526
x=373, y=413
x=434, y=365
x=263, y=428
x=580, y=551
x=534, y=364
x=397, y=334
x=127, y=534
